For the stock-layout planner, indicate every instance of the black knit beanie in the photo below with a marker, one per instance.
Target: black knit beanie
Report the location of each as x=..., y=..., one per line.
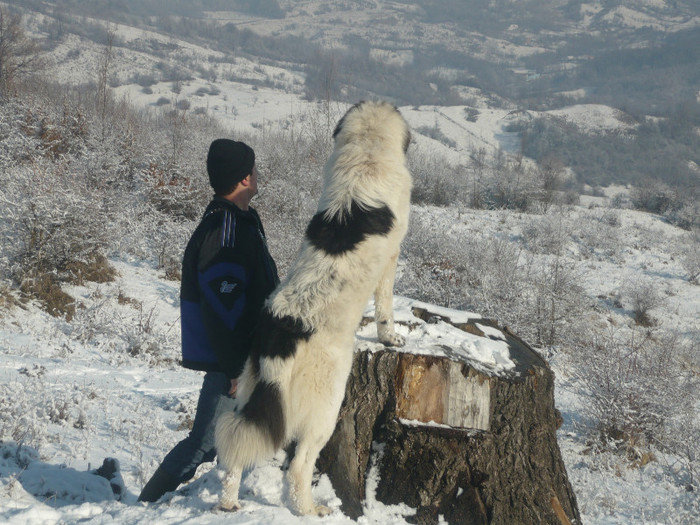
x=228, y=163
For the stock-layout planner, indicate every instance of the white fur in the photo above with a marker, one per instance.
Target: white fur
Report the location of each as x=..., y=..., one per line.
x=328, y=294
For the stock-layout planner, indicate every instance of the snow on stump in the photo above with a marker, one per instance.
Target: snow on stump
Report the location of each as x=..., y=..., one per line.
x=459, y=423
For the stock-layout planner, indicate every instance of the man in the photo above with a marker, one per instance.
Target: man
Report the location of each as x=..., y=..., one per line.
x=227, y=273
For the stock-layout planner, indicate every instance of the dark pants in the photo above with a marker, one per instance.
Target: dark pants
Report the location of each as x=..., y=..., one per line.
x=198, y=447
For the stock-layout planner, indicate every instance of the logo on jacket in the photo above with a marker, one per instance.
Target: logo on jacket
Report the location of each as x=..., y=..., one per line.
x=227, y=287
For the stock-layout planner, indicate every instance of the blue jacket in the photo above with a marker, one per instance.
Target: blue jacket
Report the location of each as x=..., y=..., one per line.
x=227, y=273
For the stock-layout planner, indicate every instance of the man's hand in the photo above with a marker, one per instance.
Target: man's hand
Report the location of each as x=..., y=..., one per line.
x=234, y=387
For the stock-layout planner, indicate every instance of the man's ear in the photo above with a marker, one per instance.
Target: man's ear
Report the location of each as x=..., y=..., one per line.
x=246, y=181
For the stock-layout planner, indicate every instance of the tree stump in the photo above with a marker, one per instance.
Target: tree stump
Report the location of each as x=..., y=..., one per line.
x=462, y=426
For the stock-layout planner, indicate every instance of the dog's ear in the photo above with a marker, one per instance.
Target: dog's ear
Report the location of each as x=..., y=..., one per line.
x=339, y=126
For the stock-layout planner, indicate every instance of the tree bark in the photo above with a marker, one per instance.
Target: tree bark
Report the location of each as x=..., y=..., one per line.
x=454, y=441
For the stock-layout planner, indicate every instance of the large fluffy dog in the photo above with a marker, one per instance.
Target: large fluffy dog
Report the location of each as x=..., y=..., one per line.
x=294, y=381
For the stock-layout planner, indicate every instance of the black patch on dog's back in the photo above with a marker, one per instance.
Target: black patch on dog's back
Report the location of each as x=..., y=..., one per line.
x=276, y=337
x=341, y=233
x=264, y=410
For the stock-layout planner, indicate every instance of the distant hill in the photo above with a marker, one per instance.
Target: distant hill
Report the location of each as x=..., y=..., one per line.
x=537, y=56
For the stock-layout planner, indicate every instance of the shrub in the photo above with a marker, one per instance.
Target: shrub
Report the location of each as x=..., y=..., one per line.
x=291, y=168
x=642, y=296
x=95, y=268
x=18, y=413
x=537, y=298
x=144, y=80
x=511, y=184
x=620, y=201
x=8, y=299
x=436, y=133
x=437, y=271
x=19, y=55
x=173, y=193
x=686, y=215
x=546, y=234
x=47, y=290
x=471, y=114
x=598, y=234
x=557, y=300
x=653, y=196
x=60, y=197
x=435, y=180
x=636, y=385
x=130, y=329
x=54, y=232
x=690, y=257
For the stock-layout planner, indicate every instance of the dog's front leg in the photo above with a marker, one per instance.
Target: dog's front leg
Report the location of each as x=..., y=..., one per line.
x=384, y=306
x=229, y=497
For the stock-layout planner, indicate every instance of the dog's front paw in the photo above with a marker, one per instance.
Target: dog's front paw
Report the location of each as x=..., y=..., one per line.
x=228, y=505
x=392, y=340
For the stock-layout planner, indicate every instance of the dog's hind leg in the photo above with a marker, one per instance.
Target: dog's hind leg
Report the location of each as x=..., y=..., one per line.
x=300, y=473
x=231, y=484
x=384, y=306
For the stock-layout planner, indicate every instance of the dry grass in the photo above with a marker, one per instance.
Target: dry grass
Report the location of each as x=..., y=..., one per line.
x=95, y=269
x=47, y=290
x=46, y=287
x=8, y=299
x=125, y=299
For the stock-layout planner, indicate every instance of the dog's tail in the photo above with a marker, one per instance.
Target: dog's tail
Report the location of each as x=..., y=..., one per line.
x=258, y=429
x=254, y=432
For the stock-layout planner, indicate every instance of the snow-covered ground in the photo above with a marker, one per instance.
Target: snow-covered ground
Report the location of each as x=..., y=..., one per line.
x=107, y=385
x=98, y=387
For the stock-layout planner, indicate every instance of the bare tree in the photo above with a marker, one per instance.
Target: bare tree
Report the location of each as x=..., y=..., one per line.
x=690, y=257
x=550, y=171
x=19, y=55
x=643, y=296
x=478, y=162
x=102, y=95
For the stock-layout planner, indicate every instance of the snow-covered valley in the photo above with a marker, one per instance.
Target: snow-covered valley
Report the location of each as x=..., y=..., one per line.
x=107, y=383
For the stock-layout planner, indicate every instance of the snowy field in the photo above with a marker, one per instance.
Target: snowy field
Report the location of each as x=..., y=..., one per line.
x=84, y=396
x=107, y=385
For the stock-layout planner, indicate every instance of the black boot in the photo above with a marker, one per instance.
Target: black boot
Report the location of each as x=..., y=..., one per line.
x=160, y=483
x=110, y=471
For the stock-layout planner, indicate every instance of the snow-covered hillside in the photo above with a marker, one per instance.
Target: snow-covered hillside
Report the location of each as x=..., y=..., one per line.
x=107, y=385
x=248, y=95
x=394, y=25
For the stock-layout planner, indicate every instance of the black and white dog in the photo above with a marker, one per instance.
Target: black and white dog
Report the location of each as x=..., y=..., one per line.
x=294, y=380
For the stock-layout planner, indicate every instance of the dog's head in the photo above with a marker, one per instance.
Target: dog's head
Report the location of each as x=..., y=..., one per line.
x=372, y=121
